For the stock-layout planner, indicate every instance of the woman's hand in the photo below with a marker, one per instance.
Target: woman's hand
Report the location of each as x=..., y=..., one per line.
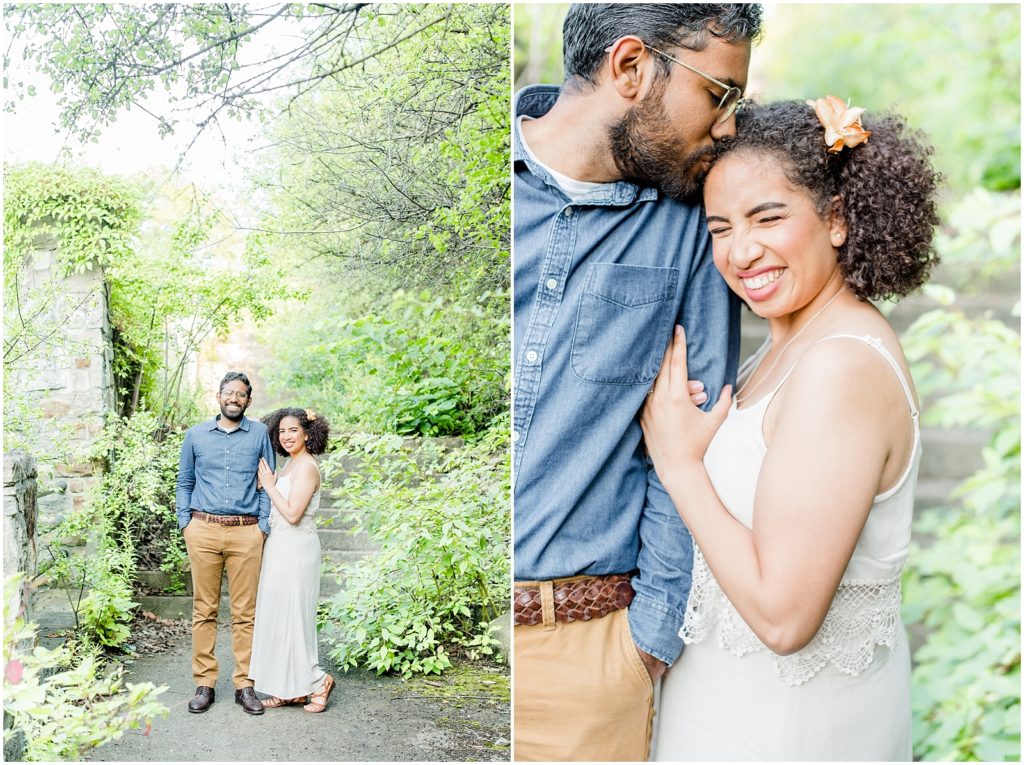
x=265, y=476
x=675, y=430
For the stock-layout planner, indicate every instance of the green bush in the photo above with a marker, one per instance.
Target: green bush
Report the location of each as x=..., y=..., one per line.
x=441, y=519
x=129, y=518
x=963, y=588
x=415, y=365
x=134, y=500
x=61, y=707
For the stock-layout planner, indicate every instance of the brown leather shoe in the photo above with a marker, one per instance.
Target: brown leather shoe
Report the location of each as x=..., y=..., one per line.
x=247, y=698
x=203, y=699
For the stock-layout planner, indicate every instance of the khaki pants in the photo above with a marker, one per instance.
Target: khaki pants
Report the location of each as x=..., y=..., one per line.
x=581, y=692
x=211, y=549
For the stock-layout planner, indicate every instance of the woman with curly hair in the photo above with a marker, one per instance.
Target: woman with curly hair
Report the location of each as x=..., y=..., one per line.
x=799, y=491
x=285, y=653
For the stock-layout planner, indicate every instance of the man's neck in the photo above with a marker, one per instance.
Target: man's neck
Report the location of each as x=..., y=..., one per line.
x=572, y=138
x=228, y=425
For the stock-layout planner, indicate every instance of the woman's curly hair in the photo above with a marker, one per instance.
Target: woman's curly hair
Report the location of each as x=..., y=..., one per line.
x=313, y=425
x=886, y=189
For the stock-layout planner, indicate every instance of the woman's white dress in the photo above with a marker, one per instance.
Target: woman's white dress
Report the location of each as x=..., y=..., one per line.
x=285, y=653
x=846, y=695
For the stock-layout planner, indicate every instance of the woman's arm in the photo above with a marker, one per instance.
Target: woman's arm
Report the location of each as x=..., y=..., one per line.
x=305, y=482
x=832, y=424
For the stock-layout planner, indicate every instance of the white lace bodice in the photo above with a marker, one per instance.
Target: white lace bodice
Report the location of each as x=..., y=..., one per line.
x=865, y=611
x=306, y=524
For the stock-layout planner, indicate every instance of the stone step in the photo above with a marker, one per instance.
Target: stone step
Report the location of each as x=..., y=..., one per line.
x=334, y=558
x=345, y=541
x=951, y=453
x=935, y=493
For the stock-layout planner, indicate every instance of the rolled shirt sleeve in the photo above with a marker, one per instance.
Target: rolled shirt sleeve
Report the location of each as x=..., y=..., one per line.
x=267, y=452
x=710, y=315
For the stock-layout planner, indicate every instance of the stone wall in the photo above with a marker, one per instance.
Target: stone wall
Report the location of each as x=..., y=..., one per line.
x=19, y=555
x=72, y=380
x=19, y=526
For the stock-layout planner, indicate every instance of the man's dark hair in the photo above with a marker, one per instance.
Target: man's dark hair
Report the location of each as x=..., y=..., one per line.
x=589, y=28
x=230, y=376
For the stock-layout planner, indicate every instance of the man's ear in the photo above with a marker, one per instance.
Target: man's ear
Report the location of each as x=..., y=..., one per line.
x=630, y=67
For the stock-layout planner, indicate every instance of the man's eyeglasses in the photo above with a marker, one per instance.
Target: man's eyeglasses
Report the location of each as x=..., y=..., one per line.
x=228, y=395
x=730, y=101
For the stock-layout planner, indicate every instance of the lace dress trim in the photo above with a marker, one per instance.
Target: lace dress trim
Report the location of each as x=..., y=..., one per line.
x=864, y=614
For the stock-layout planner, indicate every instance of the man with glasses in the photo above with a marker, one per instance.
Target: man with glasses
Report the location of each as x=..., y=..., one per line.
x=611, y=250
x=224, y=516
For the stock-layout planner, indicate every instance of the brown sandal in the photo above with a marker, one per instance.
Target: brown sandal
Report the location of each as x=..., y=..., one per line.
x=318, y=700
x=274, y=702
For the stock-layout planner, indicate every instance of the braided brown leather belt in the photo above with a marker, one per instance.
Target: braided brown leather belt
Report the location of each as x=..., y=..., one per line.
x=226, y=520
x=579, y=598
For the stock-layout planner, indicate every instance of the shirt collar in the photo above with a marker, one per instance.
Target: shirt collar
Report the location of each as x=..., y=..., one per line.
x=243, y=425
x=536, y=101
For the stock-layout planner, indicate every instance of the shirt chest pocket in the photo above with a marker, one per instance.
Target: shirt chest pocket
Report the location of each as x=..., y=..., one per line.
x=242, y=458
x=623, y=323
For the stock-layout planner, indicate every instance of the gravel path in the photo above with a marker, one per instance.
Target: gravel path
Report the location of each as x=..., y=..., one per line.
x=370, y=718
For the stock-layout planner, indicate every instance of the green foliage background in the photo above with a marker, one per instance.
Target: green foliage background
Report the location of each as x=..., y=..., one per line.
x=390, y=195
x=954, y=72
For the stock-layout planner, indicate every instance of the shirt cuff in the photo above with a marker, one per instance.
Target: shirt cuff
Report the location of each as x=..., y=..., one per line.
x=654, y=627
x=264, y=526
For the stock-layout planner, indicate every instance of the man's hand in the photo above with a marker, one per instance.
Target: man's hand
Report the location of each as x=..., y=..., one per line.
x=655, y=667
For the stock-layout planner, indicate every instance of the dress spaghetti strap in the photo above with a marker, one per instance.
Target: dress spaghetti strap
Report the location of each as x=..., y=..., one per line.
x=870, y=340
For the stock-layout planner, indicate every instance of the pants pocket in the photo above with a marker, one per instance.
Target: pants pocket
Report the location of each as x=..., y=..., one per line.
x=632, y=653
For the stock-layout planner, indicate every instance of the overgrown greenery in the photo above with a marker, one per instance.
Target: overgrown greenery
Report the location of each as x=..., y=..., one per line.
x=963, y=584
x=441, y=518
x=404, y=363
x=166, y=292
x=130, y=522
x=61, y=706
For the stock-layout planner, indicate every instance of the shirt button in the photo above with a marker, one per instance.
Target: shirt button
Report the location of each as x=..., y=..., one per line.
x=531, y=356
x=550, y=284
x=568, y=212
x=515, y=436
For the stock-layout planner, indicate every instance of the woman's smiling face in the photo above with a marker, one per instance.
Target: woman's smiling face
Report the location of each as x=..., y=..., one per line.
x=769, y=242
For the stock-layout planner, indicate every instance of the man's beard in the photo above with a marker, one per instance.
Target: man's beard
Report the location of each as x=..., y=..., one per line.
x=236, y=418
x=646, y=148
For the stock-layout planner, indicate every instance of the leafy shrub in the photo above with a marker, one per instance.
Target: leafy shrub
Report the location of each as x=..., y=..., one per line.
x=963, y=587
x=416, y=365
x=98, y=585
x=134, y=500
x=441, y=519
x=129, y=518
x=62, y=713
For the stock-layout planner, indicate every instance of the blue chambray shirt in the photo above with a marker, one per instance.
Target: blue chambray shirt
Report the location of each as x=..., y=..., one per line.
x=598, y=286
x=217, y=471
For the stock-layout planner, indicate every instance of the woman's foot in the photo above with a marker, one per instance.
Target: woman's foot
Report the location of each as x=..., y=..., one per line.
x=273, y=702
x=318, y=700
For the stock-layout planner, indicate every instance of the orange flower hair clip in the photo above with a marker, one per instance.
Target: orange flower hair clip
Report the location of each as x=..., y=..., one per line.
x=841, y=123
x=310, y=415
